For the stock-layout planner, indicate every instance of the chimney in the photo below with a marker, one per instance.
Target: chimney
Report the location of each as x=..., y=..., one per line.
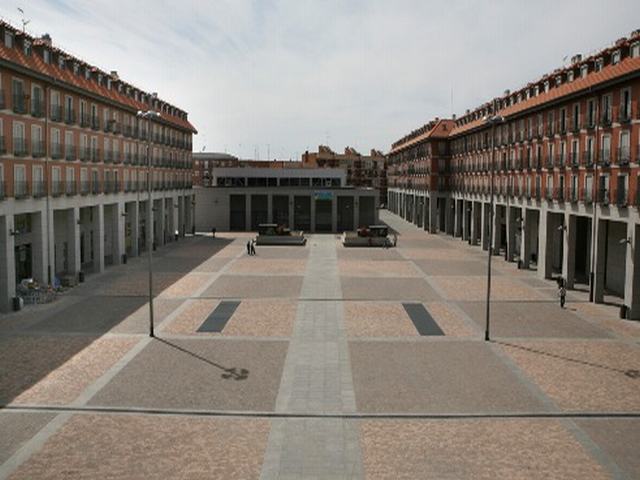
x=507, y=93
x=46, y=39
x=114, y=74
x=576, y=58
x=453, y=117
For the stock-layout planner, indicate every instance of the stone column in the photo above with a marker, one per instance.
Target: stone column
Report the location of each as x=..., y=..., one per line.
x=599, y=270
x=473, y=231
x=497, y=229
x=356, y=211
x=118, y=232
x=484, y=225
x=569, y=250
x=247, y=213
x=291, y=210
x=160, y=211
x=511, y=233
x=73, y=240
x=7, y=263
x=525, y=246
x=41, y=246
x=269, y=208
x=433, y=214
x=466, y=210
x=632, y=273
x=545, y=245
x=98, y=238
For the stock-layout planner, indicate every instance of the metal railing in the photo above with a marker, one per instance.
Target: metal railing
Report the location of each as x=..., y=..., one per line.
x=20, y=189
x=69, y=152
x=37, y=148
x=56, y=151
x=19, y=103
x=55, y=113
x=38, y=189
x=20, y=147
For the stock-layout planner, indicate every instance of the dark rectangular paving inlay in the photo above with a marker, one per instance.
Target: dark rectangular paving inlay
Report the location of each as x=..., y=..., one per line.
x=217, y=320
x=422, y=319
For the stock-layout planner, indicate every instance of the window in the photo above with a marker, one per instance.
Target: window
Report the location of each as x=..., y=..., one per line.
x=55, y=180
x=46, y=56
x=588, y=188
x=61, y=61
x=599, y=64
x=606, y=149
x=574, y=188
x=615, y=57
x=591, y=104
x=576, y=117
x=625, y=105
x=584, y=70
x=635, y=50
x=606, y=109
x=26, y=47
x=19, y=180
x=570, y=76
x=623, y=151
x=8, y=38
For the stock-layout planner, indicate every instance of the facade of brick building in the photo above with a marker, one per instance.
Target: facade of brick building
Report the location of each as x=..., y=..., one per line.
x=73, y=166
x=565, y=152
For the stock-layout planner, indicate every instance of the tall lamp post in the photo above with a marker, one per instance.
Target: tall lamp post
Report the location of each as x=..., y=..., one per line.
x=149, y=115
x=492, y=120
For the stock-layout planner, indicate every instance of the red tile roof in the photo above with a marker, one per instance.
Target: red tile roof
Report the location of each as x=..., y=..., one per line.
x=608, y=73
x=66, y=76
x=441, y=129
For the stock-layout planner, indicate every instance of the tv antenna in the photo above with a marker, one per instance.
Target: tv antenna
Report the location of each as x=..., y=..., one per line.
x=24, y=21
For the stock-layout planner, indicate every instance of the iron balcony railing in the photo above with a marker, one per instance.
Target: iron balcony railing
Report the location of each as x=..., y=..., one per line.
x=19, y=103
x=95, y=155
x=95, y=123
x=55, y=113
x=69, y=116
x=69, y=152
x=624, y=156
x=622, y=197
x=37, y=108
x=56, y=151
x=3, y=146
x=38, y=189
x=20, y=147
x=57, y=188
x=70, y=188
x=85, y=187
x=37, y=148
x=85, y=120
x=603, y=196
x=20, y=189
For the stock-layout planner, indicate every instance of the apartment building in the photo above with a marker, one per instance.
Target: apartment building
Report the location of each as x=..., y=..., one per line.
x=563, y=152
x=73, y=166
x=367, y=171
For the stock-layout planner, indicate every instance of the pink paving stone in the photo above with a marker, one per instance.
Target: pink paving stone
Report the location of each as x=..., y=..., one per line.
x=607, y=317
x=66, y=381
x=450, y=320
x=465, y=288
x=368, y=319
x=214, y=264
x=150, y=447
x=582, y=375
x=266, y=266
x=473, y=449
x=434, y=254
x=186, y=286
x=189, y=320
x=262, y=318
x=381, y=268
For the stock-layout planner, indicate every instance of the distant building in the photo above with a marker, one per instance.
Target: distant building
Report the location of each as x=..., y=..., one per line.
x=362, y=170
x=204, y=164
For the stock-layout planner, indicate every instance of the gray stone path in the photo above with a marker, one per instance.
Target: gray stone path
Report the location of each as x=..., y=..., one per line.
x=316, y=379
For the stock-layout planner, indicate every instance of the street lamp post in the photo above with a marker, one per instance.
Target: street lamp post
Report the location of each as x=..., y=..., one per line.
x=148, y=115
x=493, y=121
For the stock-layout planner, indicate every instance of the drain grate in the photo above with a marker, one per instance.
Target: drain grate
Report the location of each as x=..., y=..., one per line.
x=422, y=319
x=217, y=320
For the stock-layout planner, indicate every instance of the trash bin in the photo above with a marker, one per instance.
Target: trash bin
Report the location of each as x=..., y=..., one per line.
x=17, y=304
x=81, y=277
x=623, y=311
x=213, y=232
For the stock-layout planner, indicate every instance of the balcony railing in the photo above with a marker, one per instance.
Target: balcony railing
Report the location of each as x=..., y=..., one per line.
x=37, y=148
x=574, y=195
x=38, y=189
x=624, y=156
x=56, y=151
x=57, y=188
x=85, y=120
x=622, y=197
x=3, y=189
x=55, y=113
x=95, y=188
x=37, y=108
x=588, y=158
x=85, y=187
x=603, y=196
x=2, y=104
x=69, y=117
x=20, y=189
x=95, y=123
x=605, y=157
x=20, y=147
x=575, y=160
x=108, y=156
x=111, y=186
x=3, y=146
x=69, y=152
x=19, y=103
x=70, y=188
x=95, y=155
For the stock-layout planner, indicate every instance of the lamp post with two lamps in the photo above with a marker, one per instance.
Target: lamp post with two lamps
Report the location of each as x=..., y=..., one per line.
x=149, y=115
x=492, y=120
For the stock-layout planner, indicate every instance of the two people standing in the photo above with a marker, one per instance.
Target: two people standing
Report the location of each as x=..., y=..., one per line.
x=562, y=291
x=251, y=247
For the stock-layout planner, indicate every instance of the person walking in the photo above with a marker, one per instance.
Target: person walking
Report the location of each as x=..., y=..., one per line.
x=248, y=247
x=253, y=247
x=562, y=292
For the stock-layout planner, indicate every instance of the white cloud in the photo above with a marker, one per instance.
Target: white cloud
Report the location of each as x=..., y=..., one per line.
x=293, y=73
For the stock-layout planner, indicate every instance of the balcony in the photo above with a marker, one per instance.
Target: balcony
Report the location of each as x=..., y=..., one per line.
x=20, y=189
x=37, y=108
x=19, y=103
x=38, y=189
x=70, y=188
x=57, y=187
x=606, y=119
x=624, y=156
x=622, y=197
x=560, y=160
x=85, y=187
x=56, y=151
x=69, y=117
x=588, y=158
x=116, y=128
x=95, y=188
x=55, y=114
x=558, y=194
x=127, y=131
x=605, y=157
x=95, y=123
x=575, y=160
x=108, y=156
x=20, y=147
x=3, y=146
x=574, y=195
x=95, y=155
x=2, y=104
x=37, y=148
x=603, y=196
x=624, y=115
x=85, y=120
x=110, y=186
x=69, y=153
x=85, y=154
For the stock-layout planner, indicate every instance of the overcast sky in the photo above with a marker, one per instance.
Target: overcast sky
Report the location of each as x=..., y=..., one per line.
x=283, y=76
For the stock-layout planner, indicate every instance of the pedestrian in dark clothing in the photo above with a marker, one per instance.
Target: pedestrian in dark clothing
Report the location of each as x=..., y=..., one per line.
x=249, y=247
x=562, y=292
x=253, y=247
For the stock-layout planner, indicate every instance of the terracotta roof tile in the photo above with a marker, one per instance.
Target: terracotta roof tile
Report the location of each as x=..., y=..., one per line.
x=66, y=76
x=441, y=129
x=625, y=67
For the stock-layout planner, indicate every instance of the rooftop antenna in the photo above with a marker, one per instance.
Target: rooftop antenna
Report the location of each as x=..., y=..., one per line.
x=24, y=21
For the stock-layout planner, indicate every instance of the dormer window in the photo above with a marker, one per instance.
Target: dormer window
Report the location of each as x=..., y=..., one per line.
x=109, y=83
x=8, y=39
x=584, y=70
x=61, y=62
x=76, y=68
x=99, y=79
x=599, y=64
x=558, y=80
x=615, y=57
x=26, y=47
x=546, y=86
x=87, y=73
x=635, y=50
x=536, y=90
x=570, y=76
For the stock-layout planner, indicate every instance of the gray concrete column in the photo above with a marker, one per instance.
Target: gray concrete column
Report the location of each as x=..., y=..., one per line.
x=474, y=223
x=133, y=217
x=356, y=211
x=290, y=206
x=313, y=213
x=569, y=250
x=496, y=241
x=160, y=215
x=98, y=238
x=545, y=245
x=511, y=233
x=7, y=263
x=433, y=215
x=525, y=245
x=632, y=273
x=450, y=216
x=73, y=240
x=334, y=214
x=247, y=213
x=118, y=232
x=40, y=247
x=466, y=213
x=269, y=208
x=181, y=222
x=599, y=270
x=150, y=231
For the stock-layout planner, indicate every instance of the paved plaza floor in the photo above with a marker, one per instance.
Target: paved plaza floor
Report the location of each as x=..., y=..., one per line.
x=320, y=370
